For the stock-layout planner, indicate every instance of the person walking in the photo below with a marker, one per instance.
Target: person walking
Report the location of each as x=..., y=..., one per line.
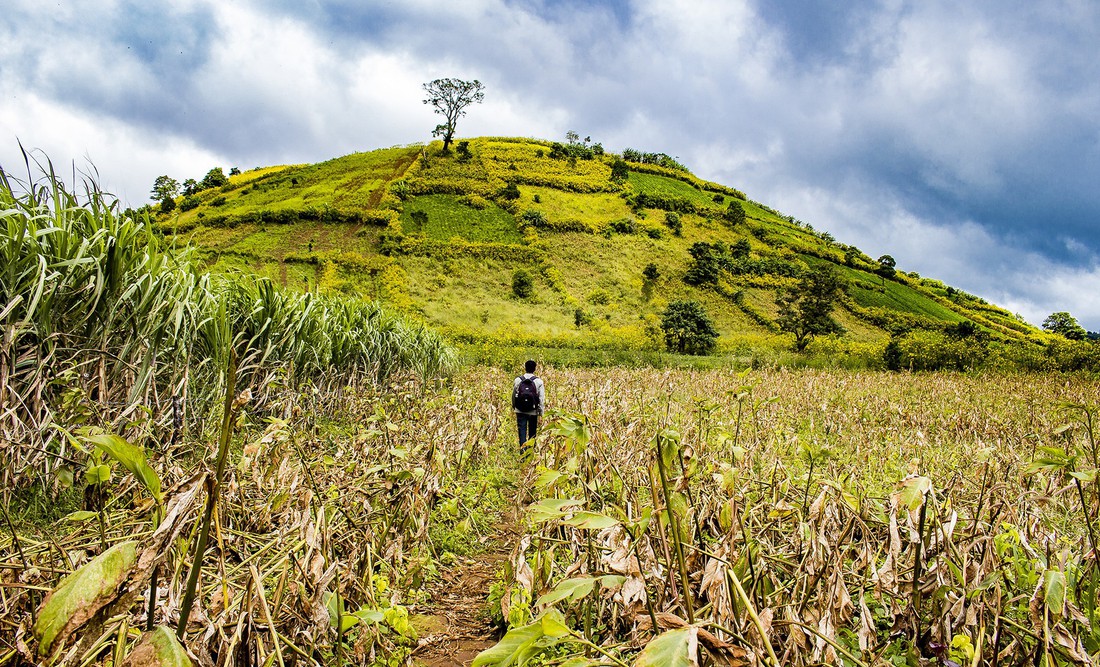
x=528, y=400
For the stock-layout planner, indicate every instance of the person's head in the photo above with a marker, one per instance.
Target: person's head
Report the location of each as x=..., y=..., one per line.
x=529, y=366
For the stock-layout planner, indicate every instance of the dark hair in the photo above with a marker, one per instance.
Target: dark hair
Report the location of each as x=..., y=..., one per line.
x=529, y=366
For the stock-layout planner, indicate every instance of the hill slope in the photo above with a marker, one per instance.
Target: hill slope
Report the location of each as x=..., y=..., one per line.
x=443, y=235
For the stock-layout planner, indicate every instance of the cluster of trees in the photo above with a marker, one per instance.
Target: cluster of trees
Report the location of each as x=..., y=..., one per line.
x=1065, y=325
x=659, y=159
x=577, y=149
x=166, y=189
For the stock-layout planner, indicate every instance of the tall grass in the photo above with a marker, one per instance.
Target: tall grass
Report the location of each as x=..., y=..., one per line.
x=102, y=322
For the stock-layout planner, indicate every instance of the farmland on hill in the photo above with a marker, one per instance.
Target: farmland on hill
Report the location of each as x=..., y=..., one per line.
x=441, y=237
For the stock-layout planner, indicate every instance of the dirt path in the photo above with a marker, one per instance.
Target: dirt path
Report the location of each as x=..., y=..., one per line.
x=453, y=626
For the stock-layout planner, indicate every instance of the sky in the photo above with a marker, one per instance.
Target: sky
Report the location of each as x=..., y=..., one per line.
x=963, y=139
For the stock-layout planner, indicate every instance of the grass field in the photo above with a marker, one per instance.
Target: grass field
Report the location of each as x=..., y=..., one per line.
x=448, y=217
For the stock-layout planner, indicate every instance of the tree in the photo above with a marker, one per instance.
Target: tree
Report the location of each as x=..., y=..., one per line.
x=1064, y=324
x=688, y=329
x=190, y=187
x=886, y=268
x=215, y=178
x=735, y=214
x=619, y=171
x=449, y=98
x=805, y=309
x=165, y=187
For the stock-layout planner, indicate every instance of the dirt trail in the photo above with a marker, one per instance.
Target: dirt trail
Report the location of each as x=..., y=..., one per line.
x=453, y=627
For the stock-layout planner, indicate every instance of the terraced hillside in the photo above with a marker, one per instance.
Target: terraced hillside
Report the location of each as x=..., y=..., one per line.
x=443, y=236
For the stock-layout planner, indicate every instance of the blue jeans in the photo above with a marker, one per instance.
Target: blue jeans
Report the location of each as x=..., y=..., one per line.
x=528, y=425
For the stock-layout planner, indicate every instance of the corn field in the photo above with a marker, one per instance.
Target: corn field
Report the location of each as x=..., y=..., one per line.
x=102, y=323
x=809, y=518
x=767, y=517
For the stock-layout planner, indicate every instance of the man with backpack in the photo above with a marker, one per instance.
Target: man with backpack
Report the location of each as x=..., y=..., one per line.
x=528, y=398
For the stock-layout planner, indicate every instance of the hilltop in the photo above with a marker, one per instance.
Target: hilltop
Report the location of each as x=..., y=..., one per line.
x=442, y=236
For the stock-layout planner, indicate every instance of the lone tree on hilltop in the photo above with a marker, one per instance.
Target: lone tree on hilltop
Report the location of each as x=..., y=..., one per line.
x=688, y=329
x=805, y=309
x=1064, y=324
x=449, y=98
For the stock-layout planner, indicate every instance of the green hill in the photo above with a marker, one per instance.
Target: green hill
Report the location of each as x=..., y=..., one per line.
x=441, y=237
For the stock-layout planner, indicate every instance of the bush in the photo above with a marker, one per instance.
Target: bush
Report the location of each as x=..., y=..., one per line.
x=167, y=205
x=623, y=226
x=510, y=192
x=523, y=286
x=600, y=297
x=672, y=221
x=189, y=203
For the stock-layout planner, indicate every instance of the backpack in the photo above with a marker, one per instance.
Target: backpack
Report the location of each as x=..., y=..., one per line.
x=526, y=396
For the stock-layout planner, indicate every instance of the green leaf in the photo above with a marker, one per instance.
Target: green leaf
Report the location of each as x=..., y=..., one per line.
x=83, y=593
x=81, y=516
x=668, y=444
x=1054, y=591
x=547, y=478
x=513, y=649
x=95, y=475
x=370, y=616
x=590, y=520
x=1086, y=476
x=130, y=457
x=336, y=613
x=911, y=491
x=158, y=648
x=65, y=477
x=570, y=590
x=551, y=508
x=675, y=648
x=553, y=624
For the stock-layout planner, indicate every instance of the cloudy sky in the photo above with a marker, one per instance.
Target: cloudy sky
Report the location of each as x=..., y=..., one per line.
x=961, y=138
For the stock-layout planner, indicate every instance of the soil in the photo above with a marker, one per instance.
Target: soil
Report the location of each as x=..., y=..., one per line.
x=453, y=625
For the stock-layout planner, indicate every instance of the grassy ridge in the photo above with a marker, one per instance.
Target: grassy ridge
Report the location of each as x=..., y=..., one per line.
x=452, y=229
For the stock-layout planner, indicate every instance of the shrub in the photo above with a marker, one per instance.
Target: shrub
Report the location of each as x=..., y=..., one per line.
x=475, y=201
x=581, y=318
x=510, y=192
x=523, y=285
x=218, y=201
x=167, y=205
x=189, y=203
x=600, y=297
x=623, y=226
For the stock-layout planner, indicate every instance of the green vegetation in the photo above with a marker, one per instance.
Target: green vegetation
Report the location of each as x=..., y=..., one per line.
x=257, y=461
x=580, y=220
